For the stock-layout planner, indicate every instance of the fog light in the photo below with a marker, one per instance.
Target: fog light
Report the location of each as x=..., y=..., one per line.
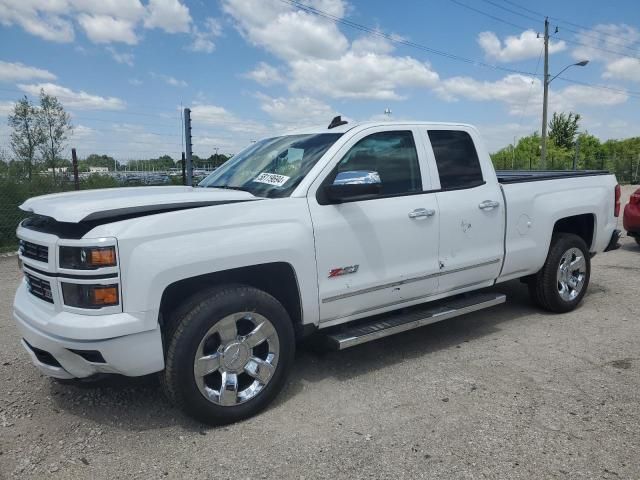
x=90, y=296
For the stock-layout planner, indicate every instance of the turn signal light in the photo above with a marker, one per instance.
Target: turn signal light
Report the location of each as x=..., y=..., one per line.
x=90, y=296
x=87, y=258
x=105, y=295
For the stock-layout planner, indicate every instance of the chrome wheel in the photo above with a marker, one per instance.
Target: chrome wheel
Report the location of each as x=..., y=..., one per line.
x=572, y=272
x=236, y=358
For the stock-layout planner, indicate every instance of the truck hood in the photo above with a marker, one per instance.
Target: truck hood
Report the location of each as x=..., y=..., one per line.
x=116, y=203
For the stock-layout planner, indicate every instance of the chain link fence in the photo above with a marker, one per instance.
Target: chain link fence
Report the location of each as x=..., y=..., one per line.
x=16, y=186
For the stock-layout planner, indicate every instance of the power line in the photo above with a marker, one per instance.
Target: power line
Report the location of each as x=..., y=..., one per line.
x=560, y=20
x=397, y=40
x=520, y=27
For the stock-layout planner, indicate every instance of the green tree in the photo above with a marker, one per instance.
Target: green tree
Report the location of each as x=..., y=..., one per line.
x=27, y=135
x=95, y=160
x=563, y=129
x=55, y=124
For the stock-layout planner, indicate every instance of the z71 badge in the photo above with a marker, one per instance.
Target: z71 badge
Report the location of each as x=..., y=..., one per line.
x=336, y=272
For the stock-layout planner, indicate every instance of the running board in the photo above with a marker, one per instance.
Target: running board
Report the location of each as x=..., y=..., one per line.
x=386, y=324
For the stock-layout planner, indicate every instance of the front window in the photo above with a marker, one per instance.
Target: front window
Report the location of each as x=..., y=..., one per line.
x=273, y=167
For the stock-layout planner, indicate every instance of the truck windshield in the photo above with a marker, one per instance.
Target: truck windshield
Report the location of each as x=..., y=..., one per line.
x=272, y=167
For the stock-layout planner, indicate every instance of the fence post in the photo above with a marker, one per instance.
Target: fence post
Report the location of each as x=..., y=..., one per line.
x=188, y=146
x=74, y=162
x=184, y=175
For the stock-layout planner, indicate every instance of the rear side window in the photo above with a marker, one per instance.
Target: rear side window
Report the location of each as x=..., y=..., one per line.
x=456, y=158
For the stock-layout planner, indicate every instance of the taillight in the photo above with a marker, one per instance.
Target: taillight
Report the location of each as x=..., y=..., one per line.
x=616, y=208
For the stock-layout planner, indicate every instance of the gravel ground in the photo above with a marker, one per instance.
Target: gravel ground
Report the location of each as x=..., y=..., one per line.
x=510, y=392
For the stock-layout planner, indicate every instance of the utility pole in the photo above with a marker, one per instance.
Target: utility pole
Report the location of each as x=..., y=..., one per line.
x=545, y=99
x=188, y=146
x=577, y=155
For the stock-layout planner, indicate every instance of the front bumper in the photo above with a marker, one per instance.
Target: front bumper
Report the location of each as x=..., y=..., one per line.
x=131, y=354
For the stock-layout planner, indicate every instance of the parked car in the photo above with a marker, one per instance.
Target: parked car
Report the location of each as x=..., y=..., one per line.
x=351, y=233
x=631, y=217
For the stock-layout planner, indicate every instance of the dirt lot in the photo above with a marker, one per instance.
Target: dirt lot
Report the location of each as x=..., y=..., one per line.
x=506, y=393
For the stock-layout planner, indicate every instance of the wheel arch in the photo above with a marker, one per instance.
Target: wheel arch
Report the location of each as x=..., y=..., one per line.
x=582, y=225
x=278, y=279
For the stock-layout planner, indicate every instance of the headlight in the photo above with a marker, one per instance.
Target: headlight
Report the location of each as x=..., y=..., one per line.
x=89, y=296
x=87, y=258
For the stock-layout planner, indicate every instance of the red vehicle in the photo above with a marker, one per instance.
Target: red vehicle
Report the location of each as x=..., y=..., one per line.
x=631, y=219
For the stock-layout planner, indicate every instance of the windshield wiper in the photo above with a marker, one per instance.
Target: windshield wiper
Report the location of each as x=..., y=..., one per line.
x=229, y=187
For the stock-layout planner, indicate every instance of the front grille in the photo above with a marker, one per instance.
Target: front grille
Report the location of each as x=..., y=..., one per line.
x=39, y=287
x=34, y=251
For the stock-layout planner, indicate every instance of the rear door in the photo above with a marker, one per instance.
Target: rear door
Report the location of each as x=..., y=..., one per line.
x=471, y=210
x=377, y=253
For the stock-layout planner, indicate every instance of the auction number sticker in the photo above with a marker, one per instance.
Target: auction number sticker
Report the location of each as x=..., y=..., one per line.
x=272, y=179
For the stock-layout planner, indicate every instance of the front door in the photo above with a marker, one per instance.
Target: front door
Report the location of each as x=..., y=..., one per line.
x=376, y=253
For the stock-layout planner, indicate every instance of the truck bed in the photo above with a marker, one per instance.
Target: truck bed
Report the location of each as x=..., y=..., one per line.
x=521, y=176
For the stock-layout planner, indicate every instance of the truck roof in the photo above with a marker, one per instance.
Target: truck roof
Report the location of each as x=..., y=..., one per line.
x=348, y=126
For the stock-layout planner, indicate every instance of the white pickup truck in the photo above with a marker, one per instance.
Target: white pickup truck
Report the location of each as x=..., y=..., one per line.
x=350, y=233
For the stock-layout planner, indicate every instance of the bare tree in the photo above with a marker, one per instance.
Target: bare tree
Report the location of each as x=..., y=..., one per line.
x=27, y=135
x=56, y=125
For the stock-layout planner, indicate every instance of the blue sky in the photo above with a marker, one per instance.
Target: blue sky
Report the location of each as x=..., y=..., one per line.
x=251, y=68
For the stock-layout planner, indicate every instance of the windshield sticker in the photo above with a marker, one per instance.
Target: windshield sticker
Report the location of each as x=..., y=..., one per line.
x=272, y=179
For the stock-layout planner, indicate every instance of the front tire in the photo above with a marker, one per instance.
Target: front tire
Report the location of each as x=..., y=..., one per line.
x=563, y=280
x=229, y=354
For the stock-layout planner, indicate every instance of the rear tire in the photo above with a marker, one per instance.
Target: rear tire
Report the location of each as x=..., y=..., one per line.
x=638, y=240
x=229, y=352
x=561, y=283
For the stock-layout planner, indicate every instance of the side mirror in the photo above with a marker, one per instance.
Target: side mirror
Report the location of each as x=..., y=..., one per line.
x=353, y=184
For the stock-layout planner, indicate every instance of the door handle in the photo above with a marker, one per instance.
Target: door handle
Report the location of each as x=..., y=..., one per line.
x=488, y=205
x=422, y=212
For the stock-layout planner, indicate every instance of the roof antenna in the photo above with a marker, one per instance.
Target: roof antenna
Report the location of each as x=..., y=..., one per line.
x=336, y=122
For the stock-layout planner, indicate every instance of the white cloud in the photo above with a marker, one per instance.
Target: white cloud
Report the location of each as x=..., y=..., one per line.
x=215, y=116
x=603, y=37
x=288, y=33
x=168, y=15
x=42, y=19
x=523, y=95
x=121, y=57
x=104, y=21
x=526, y=45
x=82, y=132
x=371, y=75
x=169, y=80
x=14, y=72
x=203, y=39
x=5, y=109
x=372, y=44
x=320, y=58
x=296, y=112
x=107, y=29
x=136, y=82
x=265, y=74
x=80, y=100
x=131, y=10
x=624, y=69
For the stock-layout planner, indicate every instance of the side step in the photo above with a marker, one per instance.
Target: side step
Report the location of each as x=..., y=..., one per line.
x=386, y=324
